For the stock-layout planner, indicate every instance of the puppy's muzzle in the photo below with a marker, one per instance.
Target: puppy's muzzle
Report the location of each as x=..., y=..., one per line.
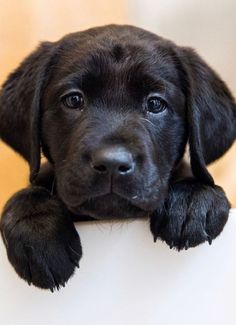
x=113, y=161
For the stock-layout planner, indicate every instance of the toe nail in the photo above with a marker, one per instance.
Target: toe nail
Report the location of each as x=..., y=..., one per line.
x=186, y=247
x=209, y=239
x=172, y=244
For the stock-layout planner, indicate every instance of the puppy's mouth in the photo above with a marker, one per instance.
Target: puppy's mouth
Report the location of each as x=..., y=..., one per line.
x=109, y=206
x=106, y=202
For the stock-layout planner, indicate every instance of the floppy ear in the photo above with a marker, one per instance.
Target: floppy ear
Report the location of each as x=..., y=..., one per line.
x=211, y=114
x=20, y=99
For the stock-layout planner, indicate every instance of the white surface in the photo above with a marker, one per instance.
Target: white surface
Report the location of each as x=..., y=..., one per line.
x=126, y=279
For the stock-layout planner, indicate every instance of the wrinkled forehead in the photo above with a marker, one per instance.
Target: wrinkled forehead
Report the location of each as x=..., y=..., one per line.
x=107, y=64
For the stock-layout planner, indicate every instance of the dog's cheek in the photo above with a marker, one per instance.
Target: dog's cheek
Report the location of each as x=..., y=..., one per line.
x=56, y=135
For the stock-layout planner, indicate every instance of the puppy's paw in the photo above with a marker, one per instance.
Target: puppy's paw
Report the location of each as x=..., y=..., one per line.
x=41, y=241
x=192, y=214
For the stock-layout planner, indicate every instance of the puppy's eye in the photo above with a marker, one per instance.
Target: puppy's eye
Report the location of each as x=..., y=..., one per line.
x=74, y=100
x=156, y=105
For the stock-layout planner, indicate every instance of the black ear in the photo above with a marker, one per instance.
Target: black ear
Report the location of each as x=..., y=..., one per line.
x=20, y=100
x=211, y=114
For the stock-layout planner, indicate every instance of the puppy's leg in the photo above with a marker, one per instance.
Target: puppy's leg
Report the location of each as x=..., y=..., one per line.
x=41, y=241
x=192, y=214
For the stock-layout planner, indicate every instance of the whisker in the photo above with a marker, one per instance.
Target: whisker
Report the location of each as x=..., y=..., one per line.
x=53, y=184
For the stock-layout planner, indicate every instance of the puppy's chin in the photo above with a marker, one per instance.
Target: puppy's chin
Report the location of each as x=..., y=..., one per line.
x=110, y=206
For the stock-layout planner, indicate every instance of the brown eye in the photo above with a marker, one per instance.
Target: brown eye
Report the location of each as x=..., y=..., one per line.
x=156, y=105
x=74, y=101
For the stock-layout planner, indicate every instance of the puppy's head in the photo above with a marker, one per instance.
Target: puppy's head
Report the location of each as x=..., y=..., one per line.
x=112, y=109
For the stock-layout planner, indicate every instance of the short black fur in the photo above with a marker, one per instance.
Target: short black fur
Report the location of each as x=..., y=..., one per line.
x=116, y=69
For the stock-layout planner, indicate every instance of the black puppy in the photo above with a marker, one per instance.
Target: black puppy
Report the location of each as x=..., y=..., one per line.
x=112, y=109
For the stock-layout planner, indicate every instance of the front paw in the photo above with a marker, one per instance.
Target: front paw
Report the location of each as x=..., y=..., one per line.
x=192, y=214
x=41, y=241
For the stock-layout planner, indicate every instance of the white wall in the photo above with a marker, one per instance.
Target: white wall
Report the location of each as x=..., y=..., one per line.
x=209, y=26
x=126, y=279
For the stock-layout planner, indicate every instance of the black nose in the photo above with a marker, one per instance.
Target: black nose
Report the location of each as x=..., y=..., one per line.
x=113, y=160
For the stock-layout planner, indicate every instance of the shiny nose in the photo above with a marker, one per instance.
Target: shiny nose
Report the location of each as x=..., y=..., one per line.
x=113, y=160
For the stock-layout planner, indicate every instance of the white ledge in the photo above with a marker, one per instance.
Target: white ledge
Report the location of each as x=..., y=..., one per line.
x=126, y=278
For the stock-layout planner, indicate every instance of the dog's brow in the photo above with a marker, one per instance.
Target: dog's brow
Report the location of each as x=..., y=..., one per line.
x=71, y=81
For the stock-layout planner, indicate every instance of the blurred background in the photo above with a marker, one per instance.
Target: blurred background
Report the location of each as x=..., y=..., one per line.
x=209, y=27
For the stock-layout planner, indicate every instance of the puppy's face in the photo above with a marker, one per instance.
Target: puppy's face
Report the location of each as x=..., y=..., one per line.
x=113, y=123
x=112, y=109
